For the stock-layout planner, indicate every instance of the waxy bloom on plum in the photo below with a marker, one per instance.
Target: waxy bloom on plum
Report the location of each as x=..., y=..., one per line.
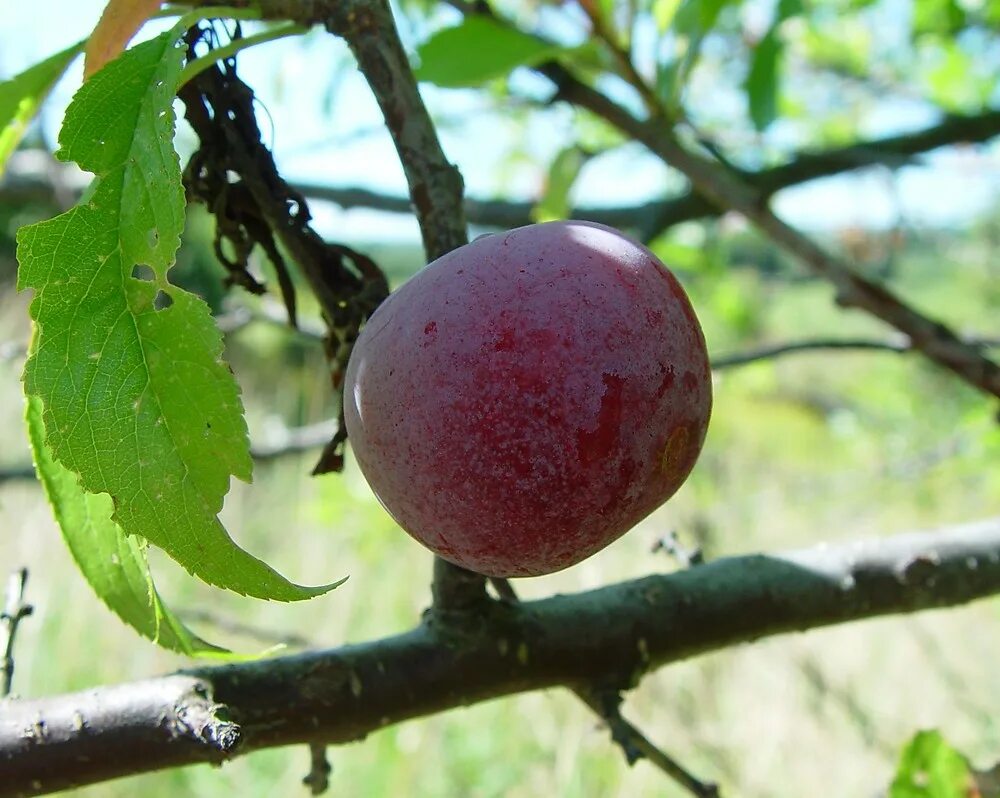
x=526, y=399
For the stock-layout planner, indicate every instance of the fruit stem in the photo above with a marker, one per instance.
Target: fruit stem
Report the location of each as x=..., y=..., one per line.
x=456, y=590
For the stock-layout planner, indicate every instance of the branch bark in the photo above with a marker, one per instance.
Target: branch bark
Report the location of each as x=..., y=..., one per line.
x=610, y=636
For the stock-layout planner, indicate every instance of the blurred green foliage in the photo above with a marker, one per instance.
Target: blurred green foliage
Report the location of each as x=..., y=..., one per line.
x=802, y=449
x=930, y=768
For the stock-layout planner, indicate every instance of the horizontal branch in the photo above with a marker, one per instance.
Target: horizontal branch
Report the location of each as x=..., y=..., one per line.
x=648, y=218
x=652, y=218
x=610, y=636
x=293, y=440
x=277, y=443
x=900, y=346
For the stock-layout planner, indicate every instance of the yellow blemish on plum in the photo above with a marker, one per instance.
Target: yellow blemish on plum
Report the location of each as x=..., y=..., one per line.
x=675, y=449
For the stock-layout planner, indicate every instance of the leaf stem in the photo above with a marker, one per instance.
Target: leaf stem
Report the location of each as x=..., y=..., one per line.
x=231, y=48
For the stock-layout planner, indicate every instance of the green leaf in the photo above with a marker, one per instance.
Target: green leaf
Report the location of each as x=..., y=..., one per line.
x=787, y=9
x=930, y=768
x=476, y=51
x=954, y=81
x=845, y=45
x=691, y=22
x=21, y=96
x=563, y=172
x=113, y=563
x=137, y=401
x=698, y=17
x=664, y=12
x=762, y=80
x=937, y=16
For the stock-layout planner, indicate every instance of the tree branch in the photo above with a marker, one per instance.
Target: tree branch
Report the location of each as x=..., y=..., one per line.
x=635, y=745
x=727, y=190
x=902, y=346
x=648, y=218
x=610, y=636
x=15, y=611
x=435, y=187
x=435, y=184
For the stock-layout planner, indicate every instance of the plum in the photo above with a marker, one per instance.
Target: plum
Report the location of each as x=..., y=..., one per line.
x=526, y=399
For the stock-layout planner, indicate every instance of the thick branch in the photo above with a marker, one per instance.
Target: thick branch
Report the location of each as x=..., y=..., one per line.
x=609, y=636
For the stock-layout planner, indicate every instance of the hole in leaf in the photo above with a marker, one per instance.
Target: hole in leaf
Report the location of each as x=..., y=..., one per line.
x=162, y=300
x=143, y=272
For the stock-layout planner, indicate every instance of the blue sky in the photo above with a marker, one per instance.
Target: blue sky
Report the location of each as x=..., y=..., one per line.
x=348, y=147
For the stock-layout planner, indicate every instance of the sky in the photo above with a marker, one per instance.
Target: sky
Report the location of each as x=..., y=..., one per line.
x=336, y=137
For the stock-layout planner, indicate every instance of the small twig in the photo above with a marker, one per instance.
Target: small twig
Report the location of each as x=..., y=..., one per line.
x=607, y=703
x=293, y=440
x=265, y=636
x=14, y=611
x=270, y=313
x=671, y=544
x=318, y=779
x=603, y=30
x=901, y=345
x=635, y=745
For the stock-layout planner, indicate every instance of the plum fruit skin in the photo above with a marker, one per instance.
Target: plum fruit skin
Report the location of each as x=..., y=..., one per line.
x=526, y=399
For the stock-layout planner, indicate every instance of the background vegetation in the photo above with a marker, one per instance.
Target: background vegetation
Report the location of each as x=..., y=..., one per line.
x=810, y=447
